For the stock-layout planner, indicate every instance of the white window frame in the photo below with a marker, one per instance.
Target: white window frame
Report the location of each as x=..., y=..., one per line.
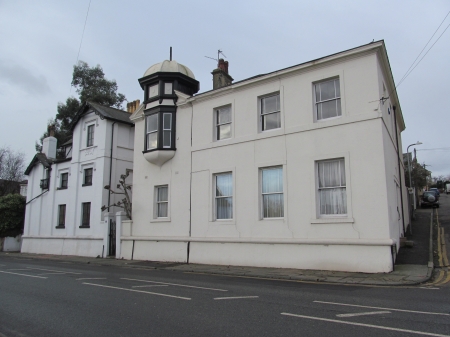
x=315, y=206
x=316, y=103
x=158, y=202
x=61, y=180
x=151, y=132
x=217, y=124
x=261, y=114
x=261, y=193
x=169, y=130
x=339, y=186
x=90, y=127
x=215, y=175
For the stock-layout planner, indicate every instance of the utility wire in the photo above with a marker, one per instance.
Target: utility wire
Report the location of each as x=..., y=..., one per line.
x=82, y=35
x=406, y=74
x=412, y=66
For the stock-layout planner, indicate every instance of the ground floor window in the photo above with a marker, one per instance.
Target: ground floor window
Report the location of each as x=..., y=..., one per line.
x=332, y=187
x=272, y=192
x=61, y=215
x=223, y=196
x=85, y=214
x=162, y=201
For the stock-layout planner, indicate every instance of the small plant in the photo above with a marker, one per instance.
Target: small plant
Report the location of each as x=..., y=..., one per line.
x=124, y=189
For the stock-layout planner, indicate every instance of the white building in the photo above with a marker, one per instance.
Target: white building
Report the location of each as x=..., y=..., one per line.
x=65, y=196
x=298, y=168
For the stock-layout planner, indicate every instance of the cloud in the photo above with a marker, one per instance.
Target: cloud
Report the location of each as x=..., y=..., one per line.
x=23, y=78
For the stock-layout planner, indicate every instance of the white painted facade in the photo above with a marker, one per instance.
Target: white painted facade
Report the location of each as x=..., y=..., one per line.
x=364, y=239
x=43, y=232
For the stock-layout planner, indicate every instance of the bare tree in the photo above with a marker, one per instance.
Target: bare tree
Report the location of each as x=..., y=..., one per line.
x=124, y=189
x=12, y=165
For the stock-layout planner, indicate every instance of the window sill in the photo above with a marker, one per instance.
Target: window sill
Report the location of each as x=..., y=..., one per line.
x=60, y=226
x=84, y=226
x=84, y=185
x=332, y=220
x=160, y=220
x=271, y=219
x=223, y=222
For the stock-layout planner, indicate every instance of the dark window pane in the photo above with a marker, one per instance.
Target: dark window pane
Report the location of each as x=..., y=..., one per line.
x=152, y=123
x=271, y=121
x=166, y=138
x=167, y=121
x=223, y=131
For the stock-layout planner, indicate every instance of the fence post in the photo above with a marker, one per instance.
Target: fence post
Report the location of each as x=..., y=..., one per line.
x=106, y=217
x=119, y=217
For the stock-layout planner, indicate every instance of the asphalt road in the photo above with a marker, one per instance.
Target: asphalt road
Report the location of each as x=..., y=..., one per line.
x=52, y=298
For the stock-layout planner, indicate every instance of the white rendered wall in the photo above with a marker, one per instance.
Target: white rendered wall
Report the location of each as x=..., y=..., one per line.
x=358, y=136
x=41, y=217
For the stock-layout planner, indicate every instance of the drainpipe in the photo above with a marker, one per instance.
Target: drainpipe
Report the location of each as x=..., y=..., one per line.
x=399, y=170
x=110, y=163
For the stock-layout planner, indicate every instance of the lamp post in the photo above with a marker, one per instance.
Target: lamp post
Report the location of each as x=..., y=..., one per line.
x=410, y=182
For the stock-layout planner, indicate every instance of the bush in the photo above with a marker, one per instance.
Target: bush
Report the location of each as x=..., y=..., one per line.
x=12, y=215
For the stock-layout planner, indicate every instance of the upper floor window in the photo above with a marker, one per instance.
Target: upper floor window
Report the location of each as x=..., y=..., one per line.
x=327, y=99
x=223, y=196
x=272, y=192
x=167, y=130
x=90, y=135
x=87, y=179
x=160, y=129
x=223, y=122
x=152, y=132
x=270, y=112
x=332, y=187
x=64, y=180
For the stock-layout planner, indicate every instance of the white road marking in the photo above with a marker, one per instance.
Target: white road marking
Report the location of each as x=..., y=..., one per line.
x=151, y=285
x=432, y=288
x=91, y=278
x=6, y=272
x=364, y=313
x=391, y=309
x=55, y=273
x=52, y=270
x=366, y=325
x=234, y=298
x=138, y=291
x=173, y=284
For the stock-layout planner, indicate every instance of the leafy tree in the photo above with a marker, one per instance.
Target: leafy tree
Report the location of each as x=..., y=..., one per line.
x=12, y=166
x=12, y=215
x=90, y=85
x=418, y=175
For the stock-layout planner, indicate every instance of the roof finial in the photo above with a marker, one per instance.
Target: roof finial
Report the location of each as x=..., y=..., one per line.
x=171, y=53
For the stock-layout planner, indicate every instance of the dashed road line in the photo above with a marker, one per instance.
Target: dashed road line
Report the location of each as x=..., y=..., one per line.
x=390, y=309
x=137, y=291
x=52, y=270
x=174, y=284
x=151, y=285
x=234, y=298
x=364, y=313
x=91, y=278
x=6, y=272
x=365, y=325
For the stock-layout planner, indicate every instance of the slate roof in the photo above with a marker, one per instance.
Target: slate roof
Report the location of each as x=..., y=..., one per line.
x=104, y=112
x=41, y=158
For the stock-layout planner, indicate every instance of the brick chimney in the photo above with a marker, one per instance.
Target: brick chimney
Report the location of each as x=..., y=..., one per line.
x=221, y=78
x=132, y=106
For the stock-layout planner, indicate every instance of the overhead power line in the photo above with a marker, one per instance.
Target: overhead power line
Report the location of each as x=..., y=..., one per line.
x=82, y=35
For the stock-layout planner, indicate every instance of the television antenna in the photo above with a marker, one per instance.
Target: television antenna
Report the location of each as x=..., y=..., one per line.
x=218, y=56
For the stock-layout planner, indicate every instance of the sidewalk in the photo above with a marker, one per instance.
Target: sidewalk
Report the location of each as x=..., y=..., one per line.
x=412, y=266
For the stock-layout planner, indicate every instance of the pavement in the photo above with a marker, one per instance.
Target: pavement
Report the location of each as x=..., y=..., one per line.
x=414, y=265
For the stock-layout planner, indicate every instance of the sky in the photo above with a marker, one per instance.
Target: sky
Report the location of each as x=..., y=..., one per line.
x=40, y=42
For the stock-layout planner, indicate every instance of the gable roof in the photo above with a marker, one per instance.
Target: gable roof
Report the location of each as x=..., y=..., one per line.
x=38, y=158
x=104, y=112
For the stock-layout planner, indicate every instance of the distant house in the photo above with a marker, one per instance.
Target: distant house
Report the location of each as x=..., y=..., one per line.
x=65, y=196
x=297, y=168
